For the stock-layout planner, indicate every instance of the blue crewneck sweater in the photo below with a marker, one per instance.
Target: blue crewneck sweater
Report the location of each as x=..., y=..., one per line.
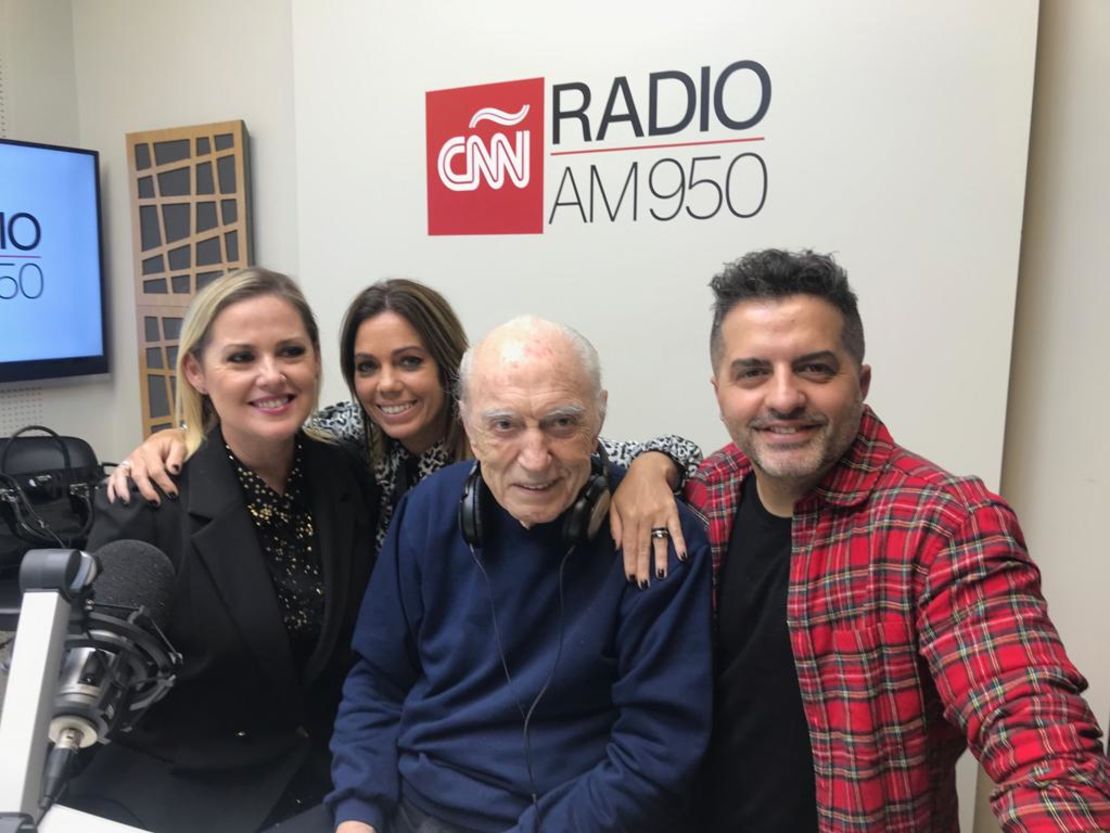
x=428, y=712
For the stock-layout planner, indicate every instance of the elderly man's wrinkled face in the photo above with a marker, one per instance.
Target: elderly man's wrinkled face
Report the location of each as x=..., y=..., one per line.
x=533, y=422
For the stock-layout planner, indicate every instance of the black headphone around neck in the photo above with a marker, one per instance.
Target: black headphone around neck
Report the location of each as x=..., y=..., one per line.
x=583, y=519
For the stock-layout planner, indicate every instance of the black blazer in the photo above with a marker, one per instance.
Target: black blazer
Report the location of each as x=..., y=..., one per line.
x=218, y=752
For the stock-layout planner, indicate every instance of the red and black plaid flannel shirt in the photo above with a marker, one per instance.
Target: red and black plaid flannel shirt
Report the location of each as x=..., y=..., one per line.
x=918, y=628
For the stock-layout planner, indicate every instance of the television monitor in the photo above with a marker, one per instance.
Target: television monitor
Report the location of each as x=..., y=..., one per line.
x=52, y=310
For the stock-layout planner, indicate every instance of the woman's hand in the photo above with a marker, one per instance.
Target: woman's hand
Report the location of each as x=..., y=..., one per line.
x=645, y=502
x=149, y=466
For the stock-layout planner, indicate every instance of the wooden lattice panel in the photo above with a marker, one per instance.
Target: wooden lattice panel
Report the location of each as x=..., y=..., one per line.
x=190, y=224
x=158, y=334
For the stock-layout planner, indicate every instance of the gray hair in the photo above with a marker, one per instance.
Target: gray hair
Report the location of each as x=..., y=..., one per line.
x=586, y=352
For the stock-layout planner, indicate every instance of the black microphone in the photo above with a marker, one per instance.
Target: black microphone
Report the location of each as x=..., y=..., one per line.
x=117, y=661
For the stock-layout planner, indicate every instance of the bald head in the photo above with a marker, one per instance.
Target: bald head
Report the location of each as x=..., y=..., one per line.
x=528, y=338
x=532, y=405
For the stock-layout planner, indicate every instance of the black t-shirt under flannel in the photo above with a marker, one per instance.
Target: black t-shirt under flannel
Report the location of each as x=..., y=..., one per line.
x=760, y=765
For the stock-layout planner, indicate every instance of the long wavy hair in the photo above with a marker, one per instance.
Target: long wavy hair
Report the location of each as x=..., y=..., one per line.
x=439, y=329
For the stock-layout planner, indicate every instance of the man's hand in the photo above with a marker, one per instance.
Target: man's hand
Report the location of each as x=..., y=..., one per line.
x=147, y=466
x=643, y=502
x=355, y=827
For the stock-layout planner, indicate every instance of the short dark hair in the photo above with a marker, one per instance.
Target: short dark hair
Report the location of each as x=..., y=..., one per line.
x=776, y=273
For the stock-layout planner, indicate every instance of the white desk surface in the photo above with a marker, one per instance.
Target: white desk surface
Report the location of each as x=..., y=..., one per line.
x=67, y=820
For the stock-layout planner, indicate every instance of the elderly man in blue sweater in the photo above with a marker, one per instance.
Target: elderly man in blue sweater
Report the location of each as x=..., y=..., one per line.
x=509, y=677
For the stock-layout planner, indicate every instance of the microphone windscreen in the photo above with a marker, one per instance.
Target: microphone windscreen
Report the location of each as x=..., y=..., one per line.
x=134, y=573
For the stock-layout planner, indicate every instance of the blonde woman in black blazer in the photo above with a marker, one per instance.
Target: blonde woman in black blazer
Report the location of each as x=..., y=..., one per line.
x=262, y=611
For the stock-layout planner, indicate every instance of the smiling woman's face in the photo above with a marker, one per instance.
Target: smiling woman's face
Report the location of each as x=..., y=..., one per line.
x=397, y=382
x=259, y=370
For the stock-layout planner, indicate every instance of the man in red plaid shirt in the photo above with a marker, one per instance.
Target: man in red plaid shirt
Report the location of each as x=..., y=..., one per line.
x=876, y=614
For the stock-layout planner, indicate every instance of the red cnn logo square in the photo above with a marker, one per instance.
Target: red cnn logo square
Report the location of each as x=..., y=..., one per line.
x=485, y=158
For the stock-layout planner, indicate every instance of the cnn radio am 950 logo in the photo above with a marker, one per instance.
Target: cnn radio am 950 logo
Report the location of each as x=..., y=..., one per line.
x=673, y=145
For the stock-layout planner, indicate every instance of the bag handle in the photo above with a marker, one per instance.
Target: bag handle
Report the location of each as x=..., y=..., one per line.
x=22, y=525
x=24, y=430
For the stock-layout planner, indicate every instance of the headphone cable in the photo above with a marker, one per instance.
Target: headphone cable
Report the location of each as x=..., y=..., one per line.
x=527, y=716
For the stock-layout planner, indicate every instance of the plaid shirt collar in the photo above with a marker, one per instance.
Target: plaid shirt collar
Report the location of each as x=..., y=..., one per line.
x=714, y=491
x=852, y=479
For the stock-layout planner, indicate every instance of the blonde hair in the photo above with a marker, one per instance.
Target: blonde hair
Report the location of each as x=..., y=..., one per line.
x=192, y=408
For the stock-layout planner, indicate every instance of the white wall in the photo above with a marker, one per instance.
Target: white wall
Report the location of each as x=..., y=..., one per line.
x=40, y=88
x=1056, y=468
x=108, y=68
x=40, y=105
x=896, y=138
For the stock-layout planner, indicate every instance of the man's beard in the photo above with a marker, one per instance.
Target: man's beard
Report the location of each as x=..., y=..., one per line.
x=812, y=458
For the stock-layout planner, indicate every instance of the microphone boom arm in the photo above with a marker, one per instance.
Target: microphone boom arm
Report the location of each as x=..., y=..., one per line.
x=33, y=681
x=82, y=667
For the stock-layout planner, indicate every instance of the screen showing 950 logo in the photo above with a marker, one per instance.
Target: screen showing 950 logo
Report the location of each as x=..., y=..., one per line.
x=49, y=254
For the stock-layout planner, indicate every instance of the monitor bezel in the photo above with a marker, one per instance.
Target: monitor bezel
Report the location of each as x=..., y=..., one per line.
x=25, y=370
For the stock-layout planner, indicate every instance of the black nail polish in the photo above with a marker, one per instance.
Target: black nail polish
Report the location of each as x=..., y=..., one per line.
x=644, y=584
x=660, y=574
x=172, y=495
x=631, y=578
x=153, y=504
x=682, y=556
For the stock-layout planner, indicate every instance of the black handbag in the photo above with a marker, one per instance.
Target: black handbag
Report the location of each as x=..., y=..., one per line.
x=46, y=489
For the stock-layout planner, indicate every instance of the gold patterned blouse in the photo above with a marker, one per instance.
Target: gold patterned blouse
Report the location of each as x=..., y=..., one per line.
x=287, y=536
